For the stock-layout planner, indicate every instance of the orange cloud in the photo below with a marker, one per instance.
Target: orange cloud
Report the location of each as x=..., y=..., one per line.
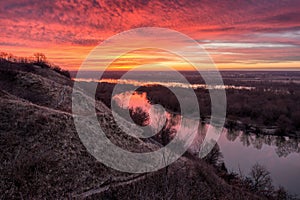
x=249, y=32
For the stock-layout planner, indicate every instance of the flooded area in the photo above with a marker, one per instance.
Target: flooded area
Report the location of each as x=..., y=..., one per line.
x=280, y=155
x=166, y=84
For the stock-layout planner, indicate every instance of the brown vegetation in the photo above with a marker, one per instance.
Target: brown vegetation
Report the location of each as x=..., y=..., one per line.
x=29, y=63
x=43, y=157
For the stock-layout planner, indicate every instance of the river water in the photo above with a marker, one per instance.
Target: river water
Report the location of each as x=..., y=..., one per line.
x=280, y=155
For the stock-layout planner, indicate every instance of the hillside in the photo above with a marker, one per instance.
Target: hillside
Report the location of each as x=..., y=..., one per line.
x=43, y=158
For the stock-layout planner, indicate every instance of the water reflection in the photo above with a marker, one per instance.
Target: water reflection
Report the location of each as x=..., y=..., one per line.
x=283, y=145
x=280, y=155
x=174, y=122
x=241, y=150
x=166, y=84
x=138, y=100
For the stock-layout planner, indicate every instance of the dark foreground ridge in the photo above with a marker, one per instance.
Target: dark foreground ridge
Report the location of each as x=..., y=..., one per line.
x=43, y=158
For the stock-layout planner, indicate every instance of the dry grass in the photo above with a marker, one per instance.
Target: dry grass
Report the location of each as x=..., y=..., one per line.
x=42, y=156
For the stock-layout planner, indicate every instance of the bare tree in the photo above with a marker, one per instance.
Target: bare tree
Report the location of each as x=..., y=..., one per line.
x=11, y=57
x=4, y=55
x=40, y=57
x=214, y=157
x=282, y=194
x=139, y=116
x=261, y=179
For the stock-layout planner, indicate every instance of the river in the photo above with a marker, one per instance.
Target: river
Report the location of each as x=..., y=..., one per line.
x=280, y=155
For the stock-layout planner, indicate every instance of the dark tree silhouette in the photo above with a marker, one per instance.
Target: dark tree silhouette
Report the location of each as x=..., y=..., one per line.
x=40, y=58
x=139, y=116
x=214, y=157
x=261, y=179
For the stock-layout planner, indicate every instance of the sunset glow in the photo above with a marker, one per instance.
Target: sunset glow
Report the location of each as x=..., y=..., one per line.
x=237, y=34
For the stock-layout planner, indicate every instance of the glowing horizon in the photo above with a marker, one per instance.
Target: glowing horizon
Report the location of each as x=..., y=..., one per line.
x=248, y=35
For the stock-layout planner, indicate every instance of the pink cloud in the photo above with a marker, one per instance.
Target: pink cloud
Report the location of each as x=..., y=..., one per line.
x=49, y=24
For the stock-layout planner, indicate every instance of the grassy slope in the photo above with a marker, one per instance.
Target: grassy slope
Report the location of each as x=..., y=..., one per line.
x=42, y=156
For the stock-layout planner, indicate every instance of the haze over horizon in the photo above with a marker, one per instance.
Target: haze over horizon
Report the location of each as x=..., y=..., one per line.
x=150, y=99
x=238, y=35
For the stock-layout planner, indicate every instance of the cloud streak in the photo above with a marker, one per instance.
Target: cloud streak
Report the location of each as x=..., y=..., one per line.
x=70, y=28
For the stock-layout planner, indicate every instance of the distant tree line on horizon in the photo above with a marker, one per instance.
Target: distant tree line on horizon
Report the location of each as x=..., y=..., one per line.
x=259, y=107
x=39, y=59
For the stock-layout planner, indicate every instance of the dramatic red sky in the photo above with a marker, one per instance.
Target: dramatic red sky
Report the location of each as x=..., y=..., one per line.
x=239, y=34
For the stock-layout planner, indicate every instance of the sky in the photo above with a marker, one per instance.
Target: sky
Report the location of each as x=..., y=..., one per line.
x=238, y=34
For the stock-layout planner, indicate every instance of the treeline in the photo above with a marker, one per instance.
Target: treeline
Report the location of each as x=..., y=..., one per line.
x=37, y=59
x=262, y=107
x=259, y=107
x=266, y=107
